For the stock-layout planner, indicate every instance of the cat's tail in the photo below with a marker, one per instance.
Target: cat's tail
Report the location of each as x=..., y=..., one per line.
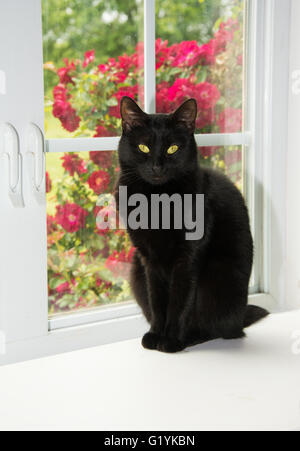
x=254, y=314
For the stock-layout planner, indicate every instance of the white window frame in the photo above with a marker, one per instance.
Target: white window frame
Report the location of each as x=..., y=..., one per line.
x=23, y=266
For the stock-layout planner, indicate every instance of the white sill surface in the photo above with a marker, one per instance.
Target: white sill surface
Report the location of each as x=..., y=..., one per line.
x=250, y=384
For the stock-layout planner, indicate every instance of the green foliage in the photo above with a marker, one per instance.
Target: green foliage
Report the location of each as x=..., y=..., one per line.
x=114, y=27
x=189, y=20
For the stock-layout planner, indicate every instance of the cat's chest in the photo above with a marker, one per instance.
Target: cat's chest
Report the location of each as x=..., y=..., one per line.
x=158, y=246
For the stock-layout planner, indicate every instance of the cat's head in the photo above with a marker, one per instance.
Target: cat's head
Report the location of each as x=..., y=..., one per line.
x=158, y=147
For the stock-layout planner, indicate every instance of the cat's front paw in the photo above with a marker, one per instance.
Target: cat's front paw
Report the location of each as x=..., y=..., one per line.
x=169, y=345
x=150, y=340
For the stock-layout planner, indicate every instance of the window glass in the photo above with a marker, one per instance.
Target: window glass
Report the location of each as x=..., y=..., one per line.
x=88, y=266
x=200, y=54
x=226, y=159
x=93, y=55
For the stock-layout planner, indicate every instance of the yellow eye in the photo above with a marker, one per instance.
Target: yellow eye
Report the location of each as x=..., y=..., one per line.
x=173, y=149
x=144, y=148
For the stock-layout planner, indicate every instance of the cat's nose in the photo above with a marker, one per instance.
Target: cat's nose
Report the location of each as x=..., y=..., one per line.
x=157, y=169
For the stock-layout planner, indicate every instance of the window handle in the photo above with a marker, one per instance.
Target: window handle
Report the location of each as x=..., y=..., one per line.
x=10, y=147
x=36, y=162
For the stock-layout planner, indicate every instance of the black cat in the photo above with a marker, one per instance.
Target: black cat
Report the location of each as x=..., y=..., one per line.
x=190, y=291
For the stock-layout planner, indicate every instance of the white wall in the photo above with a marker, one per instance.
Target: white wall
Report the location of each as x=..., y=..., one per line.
x=293, y=167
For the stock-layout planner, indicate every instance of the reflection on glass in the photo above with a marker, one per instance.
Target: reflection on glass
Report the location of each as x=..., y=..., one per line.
x=87, y=267
x=199, y=54
x=93, y=55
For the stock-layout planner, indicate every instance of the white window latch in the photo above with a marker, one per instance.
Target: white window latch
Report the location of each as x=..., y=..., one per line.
x=10, y=148
x=36, y=162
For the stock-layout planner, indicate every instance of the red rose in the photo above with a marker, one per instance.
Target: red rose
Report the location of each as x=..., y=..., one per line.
x=103, y=68
x=102, y=131
x=131, y=254
x=48, y=183
x=51, y=225
x=121, y=68
x=121, y=256
x=102, y=159
x=60, y=109
x=205, y=118
x=99, y=181
x=71, y=217
x=230, y=120
x=103, y=283
x=64, y=288
x=73, y=163
x=117, y=70
x=163, y=103
x=119, y=77
x=60, y=93
x=225, y=34
x=182, y=89
x=118, y=262
x=64, y=72
x=239, y=60
x=64, y=76
x=70, y=121
x=207, y=54
x=89, y=57
x=125, y=63
x=161, y=52
x=138, y=56
x=208, y=151
x=112, y=261
x=185, y=54
x=129, y=91
x=207, y=95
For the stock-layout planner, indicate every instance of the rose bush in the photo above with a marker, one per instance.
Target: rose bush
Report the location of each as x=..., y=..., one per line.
x=87, y=266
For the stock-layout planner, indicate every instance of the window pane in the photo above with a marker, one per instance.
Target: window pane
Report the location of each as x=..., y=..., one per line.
x=200, y=54
x=93, y=55
x=88, y=265
x=228, y=160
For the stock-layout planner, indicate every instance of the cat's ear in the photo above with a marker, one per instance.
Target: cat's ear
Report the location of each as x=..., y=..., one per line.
x=131, y=114
x=186, y=115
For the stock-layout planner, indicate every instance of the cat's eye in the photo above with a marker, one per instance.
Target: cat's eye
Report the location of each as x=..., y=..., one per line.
x=173, y=149
x=144, y=149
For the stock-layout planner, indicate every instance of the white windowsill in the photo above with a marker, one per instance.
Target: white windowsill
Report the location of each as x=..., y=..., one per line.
x=83, y=332
x=250, y=384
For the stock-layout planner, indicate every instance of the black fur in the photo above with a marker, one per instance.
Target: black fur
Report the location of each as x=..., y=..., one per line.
x=190, y=291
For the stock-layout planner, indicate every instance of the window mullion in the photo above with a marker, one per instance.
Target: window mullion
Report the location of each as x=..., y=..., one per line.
x=223, y=139
x=149, y=56
x=82, y=144
x=111, y=143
